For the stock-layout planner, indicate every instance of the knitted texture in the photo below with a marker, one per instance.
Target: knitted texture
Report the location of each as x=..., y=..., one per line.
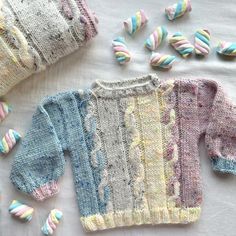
x=35, y=34
x=133, y=148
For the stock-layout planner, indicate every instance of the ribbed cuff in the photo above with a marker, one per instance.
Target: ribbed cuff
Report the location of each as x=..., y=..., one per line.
x=45, y=191
x=224, y=165
x=90, y=19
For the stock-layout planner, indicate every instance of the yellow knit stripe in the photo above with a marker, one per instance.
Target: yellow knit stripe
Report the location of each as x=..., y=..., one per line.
x=149, y=115
x=23, y=48
x=12, y=71
x=138, y=217
x=135, y=156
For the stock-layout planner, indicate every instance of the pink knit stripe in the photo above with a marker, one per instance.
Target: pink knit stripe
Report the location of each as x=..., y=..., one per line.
x=90, y=19
x=66, y=8
x=45, y=191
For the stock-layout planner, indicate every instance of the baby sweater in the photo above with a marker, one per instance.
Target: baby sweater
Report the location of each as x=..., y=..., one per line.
x=133, y=147
x=37, y=33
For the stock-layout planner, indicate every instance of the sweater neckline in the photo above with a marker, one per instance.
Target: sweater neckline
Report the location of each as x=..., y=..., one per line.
x=127, y=87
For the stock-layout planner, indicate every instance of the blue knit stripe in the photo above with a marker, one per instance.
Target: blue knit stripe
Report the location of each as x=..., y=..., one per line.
x=101, y=161
x=224, y=165
x=73, y=107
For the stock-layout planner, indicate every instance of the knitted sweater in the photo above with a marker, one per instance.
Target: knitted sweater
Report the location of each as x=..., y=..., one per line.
x=133, y=146
x=37, y=33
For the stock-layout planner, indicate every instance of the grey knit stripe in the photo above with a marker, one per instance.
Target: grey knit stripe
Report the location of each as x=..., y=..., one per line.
x=116, y=160
x=76, y=27
x=46, y=27
x=39, y=58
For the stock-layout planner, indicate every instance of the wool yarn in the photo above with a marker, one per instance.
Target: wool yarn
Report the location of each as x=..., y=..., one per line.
x=9, y=141
x=202, y=42
x=36, y=34
x=135, y=22
x=162, y=60
x=4, y=110
x=178, y=9
x=227, y=49
x=121, y=51
x=52, y=221
x=125, y=137
x=156, y=38
x=181, y=44
x=21, y=211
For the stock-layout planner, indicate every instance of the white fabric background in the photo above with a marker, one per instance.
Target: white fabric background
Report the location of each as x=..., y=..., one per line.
x=96, y=61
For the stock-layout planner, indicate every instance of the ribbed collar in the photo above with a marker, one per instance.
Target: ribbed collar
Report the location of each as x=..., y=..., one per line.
x=123, y=88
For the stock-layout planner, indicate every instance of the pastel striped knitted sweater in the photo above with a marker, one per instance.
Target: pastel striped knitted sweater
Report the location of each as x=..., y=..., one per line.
x=133, y=146
x=37, y=33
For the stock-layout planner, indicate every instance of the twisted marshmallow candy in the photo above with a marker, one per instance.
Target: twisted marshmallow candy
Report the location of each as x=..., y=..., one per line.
x=53, y=219
x=156, y=38
x=202, y=42
x=181, y=44
x=121, y=51
x=9, y=141
x=162, y=61
x=4, y=110
x=21, y=211
x=136, y=22
x=178, y=9
x=227, y=49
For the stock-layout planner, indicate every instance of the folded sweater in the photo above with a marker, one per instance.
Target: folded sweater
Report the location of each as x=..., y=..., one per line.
x=133, y=146
x=37, y=33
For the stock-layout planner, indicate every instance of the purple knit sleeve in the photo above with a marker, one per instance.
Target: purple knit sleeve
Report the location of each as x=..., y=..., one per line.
x=217, y=118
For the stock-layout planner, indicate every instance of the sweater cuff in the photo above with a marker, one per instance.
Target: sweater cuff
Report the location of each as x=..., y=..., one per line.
x=45, y=191
x=224, y=165
x=89, y=18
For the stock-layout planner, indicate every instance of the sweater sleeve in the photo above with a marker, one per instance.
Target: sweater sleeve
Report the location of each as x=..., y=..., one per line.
x=217, y=117
x=40, y=160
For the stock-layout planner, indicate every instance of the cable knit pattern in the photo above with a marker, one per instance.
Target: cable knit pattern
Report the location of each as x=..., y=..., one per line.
x=51, y=30
x=135, y=155
x=133, y=147
x=96, y=155
x=170, y=136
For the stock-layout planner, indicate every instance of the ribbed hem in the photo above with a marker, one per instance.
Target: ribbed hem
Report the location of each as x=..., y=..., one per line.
x=46, y=191
x=224, y=165
x=129, y=218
